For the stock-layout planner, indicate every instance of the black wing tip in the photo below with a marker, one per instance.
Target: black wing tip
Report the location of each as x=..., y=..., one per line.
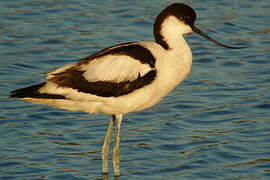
x=32, y=92
x=27, y=91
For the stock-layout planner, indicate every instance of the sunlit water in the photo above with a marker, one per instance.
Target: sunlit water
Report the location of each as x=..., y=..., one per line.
x=215, y=125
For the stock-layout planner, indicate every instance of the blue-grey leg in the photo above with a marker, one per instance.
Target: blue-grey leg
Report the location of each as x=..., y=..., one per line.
x=106, y=147
x=116, y=161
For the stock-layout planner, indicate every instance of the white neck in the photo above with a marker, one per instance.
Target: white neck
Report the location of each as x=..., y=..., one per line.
x=172, y=31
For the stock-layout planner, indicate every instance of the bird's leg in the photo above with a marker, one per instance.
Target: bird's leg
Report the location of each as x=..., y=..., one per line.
x=116, y=161
x=106, y=147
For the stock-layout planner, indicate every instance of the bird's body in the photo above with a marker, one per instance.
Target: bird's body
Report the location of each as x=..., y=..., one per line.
x=166, y=73
x=123, y=78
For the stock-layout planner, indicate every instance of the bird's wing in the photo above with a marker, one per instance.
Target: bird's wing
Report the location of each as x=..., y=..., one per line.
x=114, y=68
x=113, y=71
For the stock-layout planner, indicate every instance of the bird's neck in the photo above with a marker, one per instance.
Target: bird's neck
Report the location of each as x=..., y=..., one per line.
x=169, y=32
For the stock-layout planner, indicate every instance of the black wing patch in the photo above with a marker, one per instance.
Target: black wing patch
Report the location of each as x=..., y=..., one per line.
x=73, y=78
x=135, y=51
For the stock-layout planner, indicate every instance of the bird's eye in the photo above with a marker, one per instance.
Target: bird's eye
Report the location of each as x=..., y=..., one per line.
x=186, y=18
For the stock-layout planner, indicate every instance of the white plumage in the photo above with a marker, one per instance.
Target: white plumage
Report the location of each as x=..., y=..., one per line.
x=114, y=68
x=170, y=72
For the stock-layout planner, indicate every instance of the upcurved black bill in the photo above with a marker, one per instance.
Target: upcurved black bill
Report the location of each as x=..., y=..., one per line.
x=196, y=30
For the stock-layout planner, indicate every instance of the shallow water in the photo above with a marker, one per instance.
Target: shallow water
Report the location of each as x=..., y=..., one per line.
x=215, y=125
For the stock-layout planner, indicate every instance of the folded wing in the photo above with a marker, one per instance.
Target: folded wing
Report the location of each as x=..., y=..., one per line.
x=112, y=72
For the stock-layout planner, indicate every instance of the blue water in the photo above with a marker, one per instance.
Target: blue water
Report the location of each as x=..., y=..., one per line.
x=215, y=125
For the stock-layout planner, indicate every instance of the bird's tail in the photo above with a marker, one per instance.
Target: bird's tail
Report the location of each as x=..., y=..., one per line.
x=33, y=92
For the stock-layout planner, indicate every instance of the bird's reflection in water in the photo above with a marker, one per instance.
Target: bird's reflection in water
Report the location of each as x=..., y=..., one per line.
x=106, y=177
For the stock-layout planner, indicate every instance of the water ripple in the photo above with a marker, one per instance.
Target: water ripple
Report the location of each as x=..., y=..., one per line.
x=214, y=125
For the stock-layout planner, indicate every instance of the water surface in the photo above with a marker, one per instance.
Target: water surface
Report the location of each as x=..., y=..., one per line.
x=215, y=125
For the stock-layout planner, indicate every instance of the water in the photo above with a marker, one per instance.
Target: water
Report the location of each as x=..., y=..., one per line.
x=215, y=125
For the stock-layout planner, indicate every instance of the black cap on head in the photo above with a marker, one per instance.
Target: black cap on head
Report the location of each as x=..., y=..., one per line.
x=182, y=11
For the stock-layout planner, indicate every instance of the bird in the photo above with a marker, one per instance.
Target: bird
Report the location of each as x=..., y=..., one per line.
x=123, y=78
